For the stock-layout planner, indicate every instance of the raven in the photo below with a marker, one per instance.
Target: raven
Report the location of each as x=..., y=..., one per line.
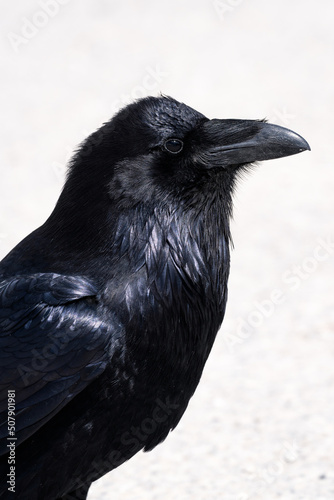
x=109, y=310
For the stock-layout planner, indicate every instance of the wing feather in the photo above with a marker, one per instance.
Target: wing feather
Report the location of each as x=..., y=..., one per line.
x=54, y=341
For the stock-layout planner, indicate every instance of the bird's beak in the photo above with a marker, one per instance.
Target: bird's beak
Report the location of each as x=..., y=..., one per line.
x=238, y=142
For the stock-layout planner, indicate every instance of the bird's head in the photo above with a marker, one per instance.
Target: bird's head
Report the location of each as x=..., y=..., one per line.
x=160, y=152
x=158, y=146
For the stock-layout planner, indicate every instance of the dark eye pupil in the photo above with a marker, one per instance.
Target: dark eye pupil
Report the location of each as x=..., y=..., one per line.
x=174, y=145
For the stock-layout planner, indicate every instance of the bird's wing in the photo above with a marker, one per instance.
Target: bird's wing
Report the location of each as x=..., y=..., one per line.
x=53, y=344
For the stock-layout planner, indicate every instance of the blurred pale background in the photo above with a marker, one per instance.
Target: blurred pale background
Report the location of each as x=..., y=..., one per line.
x=261, y=422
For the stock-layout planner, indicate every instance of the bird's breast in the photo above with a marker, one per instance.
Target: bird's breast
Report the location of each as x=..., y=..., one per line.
x=170, y=295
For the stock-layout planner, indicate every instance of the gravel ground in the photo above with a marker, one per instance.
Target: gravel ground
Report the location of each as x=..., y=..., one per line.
x=261, y=422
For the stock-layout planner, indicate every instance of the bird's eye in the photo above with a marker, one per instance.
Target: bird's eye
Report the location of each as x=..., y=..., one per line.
x=173, y=145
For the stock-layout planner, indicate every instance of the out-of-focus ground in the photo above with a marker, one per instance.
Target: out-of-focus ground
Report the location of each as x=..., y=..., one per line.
x=261, y=423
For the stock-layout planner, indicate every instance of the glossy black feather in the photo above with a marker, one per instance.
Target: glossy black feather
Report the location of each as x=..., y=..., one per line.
x=53, y=344
x=108, y=311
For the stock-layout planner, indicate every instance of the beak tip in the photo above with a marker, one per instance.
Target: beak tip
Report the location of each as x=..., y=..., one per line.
x=292, y=143
x=304, y=145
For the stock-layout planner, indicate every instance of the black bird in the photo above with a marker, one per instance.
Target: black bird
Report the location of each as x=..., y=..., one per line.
x=109, y=310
